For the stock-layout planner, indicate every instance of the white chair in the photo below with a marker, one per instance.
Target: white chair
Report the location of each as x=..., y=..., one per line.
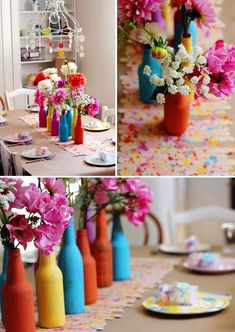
x=10, y=161
x=19, y=99
x=202, y=214
x=108, y=115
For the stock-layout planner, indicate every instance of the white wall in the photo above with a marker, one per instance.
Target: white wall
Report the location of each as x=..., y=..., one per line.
x=97, y=19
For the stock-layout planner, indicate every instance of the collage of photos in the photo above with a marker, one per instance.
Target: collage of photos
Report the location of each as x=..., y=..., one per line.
x=117, y=165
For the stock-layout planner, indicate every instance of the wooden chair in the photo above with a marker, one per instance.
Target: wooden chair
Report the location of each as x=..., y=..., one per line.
x=146, y=227
x=202, y=214
x=108, y=115
x=19, y=99
x=10, y=161
x=2, y=104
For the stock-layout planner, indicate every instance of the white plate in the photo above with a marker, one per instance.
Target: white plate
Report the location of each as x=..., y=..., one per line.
x=104, y=126
x=30, y=154
x=224, y=265
x=95, y=160
x=180, y=249
x=33, y=109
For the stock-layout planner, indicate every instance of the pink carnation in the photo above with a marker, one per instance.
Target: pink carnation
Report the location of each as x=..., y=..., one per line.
x=93, y=108
x=101, y=197
x=40, y=98
x=204, y=13
x=20, y=230
x=110, y=184
x=54, y=186
x=138, y=11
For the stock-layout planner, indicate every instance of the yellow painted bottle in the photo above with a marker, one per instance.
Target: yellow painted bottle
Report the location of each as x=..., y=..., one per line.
x=49, y=117
x=187, y=41
x=75, y=117
x=50, y=293
x=167, y=15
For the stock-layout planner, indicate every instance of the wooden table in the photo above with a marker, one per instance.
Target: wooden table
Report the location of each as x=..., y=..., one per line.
x=64, y=163
x=137, y=319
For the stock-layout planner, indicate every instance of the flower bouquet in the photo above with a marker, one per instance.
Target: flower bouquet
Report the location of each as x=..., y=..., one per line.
x=44, y=215
x=61, y=96
x=204, y=73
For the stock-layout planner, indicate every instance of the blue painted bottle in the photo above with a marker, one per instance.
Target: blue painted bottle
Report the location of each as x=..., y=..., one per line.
x=3, y=278
x=69, y=119
x=179, y=30
x=71, y=265
x=64, y=130
x=121, y=251
x=145, y=86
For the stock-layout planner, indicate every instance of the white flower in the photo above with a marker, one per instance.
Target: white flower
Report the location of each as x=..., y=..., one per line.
x=201, y=60
x=188, y=69
x=55, y=78
x=179, y=82
x=206, y=80
x=147, y=70
x=194, y=80
x=204, y=90
x=140, y=36
x=184, y=90
x=50, y=71
x=69, y=68
x=175, y=65
x=157, y=80
x=161, y=98
x=197, y=51
x=156, y=30
x=172, y=89
x=46, y=84
x=169, y=81
x=173, y=73
x=170, y=49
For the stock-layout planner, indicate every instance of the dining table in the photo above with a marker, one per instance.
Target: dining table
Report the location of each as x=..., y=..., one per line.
x=63, y=163
x=136, y=318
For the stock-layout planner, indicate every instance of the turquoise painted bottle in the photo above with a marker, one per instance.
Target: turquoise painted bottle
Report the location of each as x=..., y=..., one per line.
x=69, y=119
x=146, y=88
x=3, y=277
x=178, y=32
x=64, y=130
x=71, y=264
x=121, y=251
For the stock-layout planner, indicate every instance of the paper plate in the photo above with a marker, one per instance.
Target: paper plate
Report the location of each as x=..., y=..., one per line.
x=31, y=154
x=225, y=265
x=205, y=303
x=14, y=139
x=104, y=126
x=179, y=249
x=95, y=160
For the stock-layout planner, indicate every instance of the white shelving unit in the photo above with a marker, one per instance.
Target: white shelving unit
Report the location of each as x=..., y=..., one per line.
x=25, y=15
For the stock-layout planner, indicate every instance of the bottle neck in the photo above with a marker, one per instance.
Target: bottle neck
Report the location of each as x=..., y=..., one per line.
x=15, y=269
x=79, y=120
x=63, y=118
x=69, y=234
x=101, y=224
x=47, y=261
x=117, y=231
x=82, y=242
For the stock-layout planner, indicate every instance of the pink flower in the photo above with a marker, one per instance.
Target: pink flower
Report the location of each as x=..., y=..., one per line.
x=138, y=11
x=16, y=193
x=54, y=186
x=110, y=184
x=20, y=230
x=221, y=67
x=47, y=237
x=101, y=197
x=40, y=98
x=93, y=108
x=203, y=12
x=59, y=96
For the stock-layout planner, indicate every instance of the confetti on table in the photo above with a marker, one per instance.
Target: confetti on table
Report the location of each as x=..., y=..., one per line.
x=207, y=147
x=146, y=274
x=90, y=145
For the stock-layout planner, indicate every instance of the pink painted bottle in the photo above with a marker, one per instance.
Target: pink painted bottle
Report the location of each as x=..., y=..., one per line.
x=55, y=124
x=42, y=117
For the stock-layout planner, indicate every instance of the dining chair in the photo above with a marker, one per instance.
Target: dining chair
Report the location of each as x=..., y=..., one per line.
x=19, y=98
x=108, y=115
x=10, y=161
x=198, y=215
x=2, y=104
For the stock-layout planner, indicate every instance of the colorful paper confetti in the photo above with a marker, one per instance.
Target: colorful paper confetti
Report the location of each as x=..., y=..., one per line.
x=207, y=147
x=90, y=145
x=146, y=274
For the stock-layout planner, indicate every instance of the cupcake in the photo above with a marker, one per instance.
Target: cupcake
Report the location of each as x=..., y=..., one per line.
x=178, y=293
x=23, y=135
x=203, y=259
x=41, y=151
